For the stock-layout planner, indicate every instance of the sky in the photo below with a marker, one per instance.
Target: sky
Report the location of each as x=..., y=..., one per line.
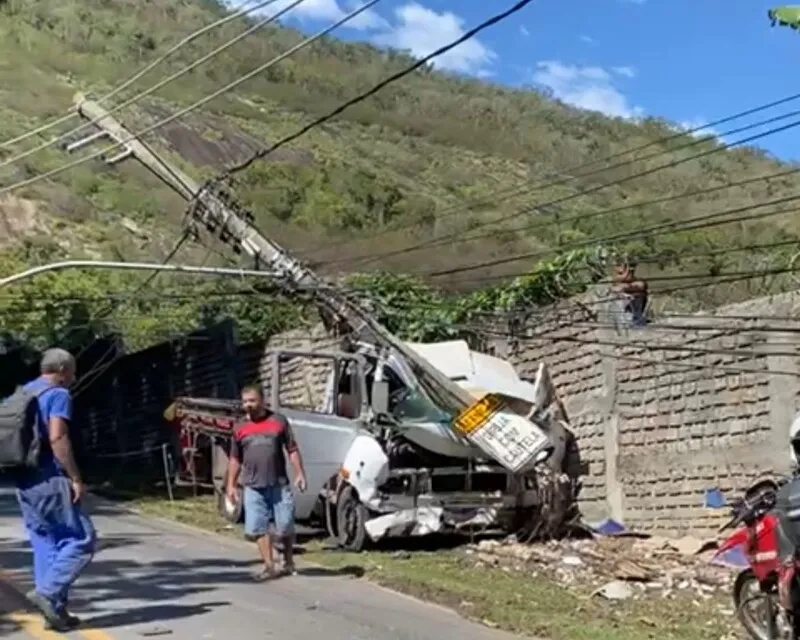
x=688, y=61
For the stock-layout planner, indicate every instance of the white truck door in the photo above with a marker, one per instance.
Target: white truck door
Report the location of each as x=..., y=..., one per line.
x=323, y=395
x=324, y=441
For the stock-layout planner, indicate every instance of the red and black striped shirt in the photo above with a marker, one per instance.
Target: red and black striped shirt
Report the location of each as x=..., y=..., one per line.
x=259, y=446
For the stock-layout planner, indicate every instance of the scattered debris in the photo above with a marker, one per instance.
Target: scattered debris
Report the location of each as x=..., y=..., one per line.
x=615, y=567
x=616, y=590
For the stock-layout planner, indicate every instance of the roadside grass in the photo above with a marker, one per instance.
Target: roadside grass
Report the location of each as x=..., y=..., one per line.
x=514, y=600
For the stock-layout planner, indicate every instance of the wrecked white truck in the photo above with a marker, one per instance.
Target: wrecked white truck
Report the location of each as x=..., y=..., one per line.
x=384, y=458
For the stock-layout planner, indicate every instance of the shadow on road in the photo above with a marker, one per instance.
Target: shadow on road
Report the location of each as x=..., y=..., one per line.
x=7, y=627
x=352, y=571
x=133, y=586
x=148, y=592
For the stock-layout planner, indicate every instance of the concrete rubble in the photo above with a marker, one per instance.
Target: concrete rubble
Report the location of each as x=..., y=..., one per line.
x=616, y=568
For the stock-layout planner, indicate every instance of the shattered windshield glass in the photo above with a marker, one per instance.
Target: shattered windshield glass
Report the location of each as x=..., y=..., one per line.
x=412, y=404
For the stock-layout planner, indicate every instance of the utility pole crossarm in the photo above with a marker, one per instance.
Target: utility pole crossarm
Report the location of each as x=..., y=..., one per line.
x=131, y=146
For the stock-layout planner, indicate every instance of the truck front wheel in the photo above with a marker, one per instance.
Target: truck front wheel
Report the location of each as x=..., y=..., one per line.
x=351, y=515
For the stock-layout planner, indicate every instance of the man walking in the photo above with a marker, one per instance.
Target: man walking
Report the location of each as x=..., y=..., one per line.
x=258, y=453
x=61, y=534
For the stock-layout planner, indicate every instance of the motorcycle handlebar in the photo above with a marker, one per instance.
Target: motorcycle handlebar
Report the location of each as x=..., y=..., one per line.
x=744, y=509
x=732, y=523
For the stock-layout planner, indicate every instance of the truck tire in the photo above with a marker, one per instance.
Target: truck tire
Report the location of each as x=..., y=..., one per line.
x=351, y=515
x=232, y=513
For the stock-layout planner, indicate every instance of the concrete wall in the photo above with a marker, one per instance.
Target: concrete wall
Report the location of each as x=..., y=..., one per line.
x=665, y=412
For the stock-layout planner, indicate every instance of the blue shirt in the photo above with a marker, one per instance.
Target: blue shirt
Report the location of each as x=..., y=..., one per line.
x=53, y=403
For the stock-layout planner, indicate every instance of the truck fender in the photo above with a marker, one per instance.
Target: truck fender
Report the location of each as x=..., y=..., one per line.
x=365, y=467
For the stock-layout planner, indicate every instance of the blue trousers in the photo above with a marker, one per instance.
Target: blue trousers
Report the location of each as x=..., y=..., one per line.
x=268, y=510
x=61, y=534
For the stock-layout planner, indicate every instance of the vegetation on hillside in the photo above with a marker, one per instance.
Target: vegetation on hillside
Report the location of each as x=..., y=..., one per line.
x=425, y=158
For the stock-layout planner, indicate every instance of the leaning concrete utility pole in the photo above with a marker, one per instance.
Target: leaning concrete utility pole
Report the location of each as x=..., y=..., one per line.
x=512, y=440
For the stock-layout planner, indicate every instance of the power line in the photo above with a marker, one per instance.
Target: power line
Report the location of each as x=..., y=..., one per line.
x=732, y=369
x=147, y=92
x=579, y=217
x=125, y=296
x=111, y=309
x=199, y=103
x=750, y=354
x=453, y=236
x=254, y=290
x=704, y=221
x=238, y=12
x=667, y=256
x=241, y=166
x=548, y=313
x=517, y=191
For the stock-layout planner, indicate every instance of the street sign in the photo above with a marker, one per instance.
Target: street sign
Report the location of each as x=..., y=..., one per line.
x=508, y=437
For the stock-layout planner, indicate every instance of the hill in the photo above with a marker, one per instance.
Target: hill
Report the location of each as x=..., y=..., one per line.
x=409, y=164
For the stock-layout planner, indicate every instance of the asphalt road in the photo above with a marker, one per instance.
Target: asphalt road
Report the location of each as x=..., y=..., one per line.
x=159, y=580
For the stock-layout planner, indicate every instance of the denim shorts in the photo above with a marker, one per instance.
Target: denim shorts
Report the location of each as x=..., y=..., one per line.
x=268, y=510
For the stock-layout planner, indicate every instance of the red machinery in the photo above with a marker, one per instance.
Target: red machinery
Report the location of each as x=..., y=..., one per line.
x=200, y=424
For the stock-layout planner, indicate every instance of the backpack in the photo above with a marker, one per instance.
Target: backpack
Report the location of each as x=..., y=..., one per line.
x=21, y=443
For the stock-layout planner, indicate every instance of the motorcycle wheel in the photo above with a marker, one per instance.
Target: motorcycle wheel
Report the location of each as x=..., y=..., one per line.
x=755, y=610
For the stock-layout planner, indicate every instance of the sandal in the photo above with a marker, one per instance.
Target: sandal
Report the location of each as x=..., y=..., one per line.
x=264, y=574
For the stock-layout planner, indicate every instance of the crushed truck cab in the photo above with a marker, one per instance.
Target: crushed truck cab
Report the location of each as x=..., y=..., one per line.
x=383, y=458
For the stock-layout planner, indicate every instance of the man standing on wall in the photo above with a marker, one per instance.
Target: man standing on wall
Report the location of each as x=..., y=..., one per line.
x=258, y=453
x=61, y=534
x=634, y=290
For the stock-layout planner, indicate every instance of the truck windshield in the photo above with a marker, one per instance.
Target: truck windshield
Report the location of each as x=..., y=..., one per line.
x=418, y=407
x=412, y=404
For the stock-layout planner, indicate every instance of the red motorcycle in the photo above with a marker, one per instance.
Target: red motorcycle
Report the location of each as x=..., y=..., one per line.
x=762, y=593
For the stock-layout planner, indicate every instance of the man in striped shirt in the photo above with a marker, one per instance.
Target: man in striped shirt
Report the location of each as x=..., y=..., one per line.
x=259, y=450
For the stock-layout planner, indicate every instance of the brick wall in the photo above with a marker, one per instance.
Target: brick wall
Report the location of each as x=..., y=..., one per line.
x=688, y=421
x=303, y=380
x=665, y=412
